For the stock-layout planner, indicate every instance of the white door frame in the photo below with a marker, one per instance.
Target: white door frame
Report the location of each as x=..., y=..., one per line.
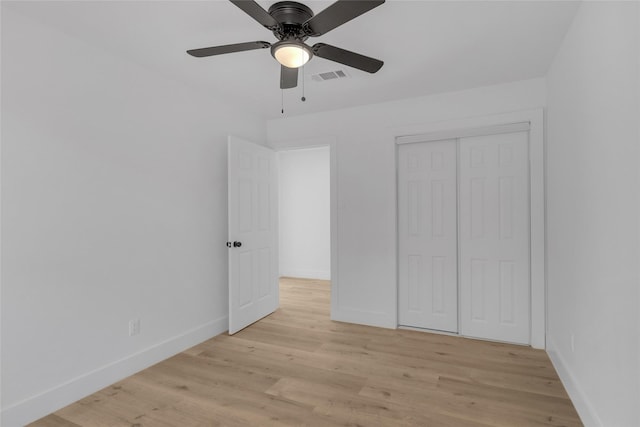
x=333, y=167
x=476, y=126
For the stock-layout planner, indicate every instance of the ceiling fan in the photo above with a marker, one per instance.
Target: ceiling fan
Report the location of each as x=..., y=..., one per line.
x=293, y=23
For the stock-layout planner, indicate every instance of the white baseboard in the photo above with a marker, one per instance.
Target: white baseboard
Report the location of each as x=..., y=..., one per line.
x=580, y=401
x=307, y=274
x=369, y=318
x=51, y=400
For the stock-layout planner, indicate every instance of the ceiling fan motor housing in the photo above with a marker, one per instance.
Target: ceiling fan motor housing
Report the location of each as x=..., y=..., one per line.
x=291, y=15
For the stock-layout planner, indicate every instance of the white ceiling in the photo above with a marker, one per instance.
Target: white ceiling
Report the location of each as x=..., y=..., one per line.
x=427, y=46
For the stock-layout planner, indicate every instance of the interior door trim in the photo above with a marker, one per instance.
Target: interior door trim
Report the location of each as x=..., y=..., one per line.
x=336, y=311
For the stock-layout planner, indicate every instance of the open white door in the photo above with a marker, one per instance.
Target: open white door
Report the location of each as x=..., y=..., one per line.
x=253, y=221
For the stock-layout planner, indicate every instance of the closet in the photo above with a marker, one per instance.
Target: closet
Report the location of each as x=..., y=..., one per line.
x=464, y=233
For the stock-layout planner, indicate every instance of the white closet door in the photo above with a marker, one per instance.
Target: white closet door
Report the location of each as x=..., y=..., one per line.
x=427, y=235
x=494, y=237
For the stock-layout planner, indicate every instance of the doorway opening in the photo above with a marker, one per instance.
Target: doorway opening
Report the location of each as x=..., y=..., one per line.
x=304, y=219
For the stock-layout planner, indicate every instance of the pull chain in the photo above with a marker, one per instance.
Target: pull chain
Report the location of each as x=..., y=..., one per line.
x=282, y=100
x=303, y=98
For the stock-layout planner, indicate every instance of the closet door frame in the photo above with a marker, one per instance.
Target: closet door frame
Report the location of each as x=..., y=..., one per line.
x=502, y=123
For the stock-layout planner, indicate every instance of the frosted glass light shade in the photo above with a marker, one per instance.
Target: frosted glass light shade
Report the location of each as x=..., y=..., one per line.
x=292, y=55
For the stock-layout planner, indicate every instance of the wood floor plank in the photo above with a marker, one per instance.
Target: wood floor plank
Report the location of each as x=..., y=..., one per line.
x=451, y=364
x=292, y=363
x=54, y=420
x=561, y=408
x=331, y=401
x=296, y=367
x=460, y=406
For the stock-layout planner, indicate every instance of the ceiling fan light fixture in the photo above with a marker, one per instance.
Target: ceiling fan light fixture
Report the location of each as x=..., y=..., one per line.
x=291, y=53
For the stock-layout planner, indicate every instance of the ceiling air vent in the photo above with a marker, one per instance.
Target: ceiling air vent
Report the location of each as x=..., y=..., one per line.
x=329, y=75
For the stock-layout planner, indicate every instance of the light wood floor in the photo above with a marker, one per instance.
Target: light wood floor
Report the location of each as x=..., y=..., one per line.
x=296, y=367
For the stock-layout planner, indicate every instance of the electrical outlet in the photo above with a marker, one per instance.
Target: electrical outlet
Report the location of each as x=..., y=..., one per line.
x=573, y=343
x=134, y=327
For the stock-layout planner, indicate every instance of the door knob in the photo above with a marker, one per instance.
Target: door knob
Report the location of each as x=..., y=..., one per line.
x=228, y=244
x=237, y=244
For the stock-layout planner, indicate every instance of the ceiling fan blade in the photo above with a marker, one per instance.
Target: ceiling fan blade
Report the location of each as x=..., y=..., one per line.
x=254, y=10
x=288, y=77
x=352, y=59
x=229, y=48
x=337, y=14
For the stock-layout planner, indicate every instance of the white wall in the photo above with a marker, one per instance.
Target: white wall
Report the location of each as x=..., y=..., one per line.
x=304, y=202
x=113, y=207
x=593, y=211
x=366, y=182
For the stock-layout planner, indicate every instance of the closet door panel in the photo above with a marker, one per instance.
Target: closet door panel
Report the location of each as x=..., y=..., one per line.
x=427, y=227
x=494, y=237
